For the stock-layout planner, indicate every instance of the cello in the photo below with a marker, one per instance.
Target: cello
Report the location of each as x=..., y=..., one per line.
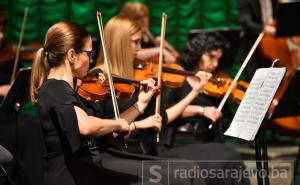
x=271, y=48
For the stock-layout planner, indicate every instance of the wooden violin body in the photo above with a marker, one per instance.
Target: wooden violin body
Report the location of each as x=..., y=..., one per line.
x=97, y=89
x=28, y=51
x=7, y=54
x=173, y=74
x=218, y=86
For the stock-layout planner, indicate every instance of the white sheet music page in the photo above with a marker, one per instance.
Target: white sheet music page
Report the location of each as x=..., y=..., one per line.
x=255, y=103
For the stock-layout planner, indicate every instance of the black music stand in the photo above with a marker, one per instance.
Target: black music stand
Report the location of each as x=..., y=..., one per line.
x=286, y=13
x=13, y=101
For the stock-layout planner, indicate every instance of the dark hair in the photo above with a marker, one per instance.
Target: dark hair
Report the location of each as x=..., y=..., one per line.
x=59, y=39
x=2, y=19
x=198, y=45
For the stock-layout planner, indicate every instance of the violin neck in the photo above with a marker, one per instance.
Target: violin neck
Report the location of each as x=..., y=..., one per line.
x=125, y=80
x=179, y=72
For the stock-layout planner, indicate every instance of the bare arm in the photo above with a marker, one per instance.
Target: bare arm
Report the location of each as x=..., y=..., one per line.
x=153, y=121
x=93, y=126
x=209, y=112
x=4, y=90
x=176, y=110
x=191, y=110
x=144, y=98
x=147, y=53
x=197, y=83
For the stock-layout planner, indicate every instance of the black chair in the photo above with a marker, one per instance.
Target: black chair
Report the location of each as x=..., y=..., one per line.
x=7, y=157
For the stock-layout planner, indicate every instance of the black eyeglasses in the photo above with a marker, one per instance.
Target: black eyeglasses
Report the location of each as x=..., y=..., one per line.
x=90, y=54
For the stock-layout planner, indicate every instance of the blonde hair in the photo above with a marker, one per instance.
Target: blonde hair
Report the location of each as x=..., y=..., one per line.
x=118, y=32
x=59, y=39
x=130, y=9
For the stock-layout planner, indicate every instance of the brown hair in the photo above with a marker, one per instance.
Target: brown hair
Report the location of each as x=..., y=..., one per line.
x=130, y=9
x=59, y=39
x=118, y=33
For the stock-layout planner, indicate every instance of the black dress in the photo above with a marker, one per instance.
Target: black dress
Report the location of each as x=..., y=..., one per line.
x=201, y=124
x=75, y=159
x=211, y=156
x=67, y=152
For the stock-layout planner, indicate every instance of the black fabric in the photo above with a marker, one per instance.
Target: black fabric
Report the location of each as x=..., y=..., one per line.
x=143, y=142
x=75, y=165
x=201, y=123
x=60, y=128
x=57, y=111
x=26, y=143
x=140, y=141
x=210, y=156
x=67, y=161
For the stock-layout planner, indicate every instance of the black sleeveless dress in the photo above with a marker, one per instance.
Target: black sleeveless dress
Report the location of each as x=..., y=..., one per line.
x=75, y=159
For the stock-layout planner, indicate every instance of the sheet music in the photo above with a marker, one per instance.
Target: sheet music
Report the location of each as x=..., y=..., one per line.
x=255, y=103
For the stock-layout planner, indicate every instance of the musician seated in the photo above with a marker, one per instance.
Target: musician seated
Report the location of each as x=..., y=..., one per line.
x=202, y=52
x=140, y=13
x=7, y=54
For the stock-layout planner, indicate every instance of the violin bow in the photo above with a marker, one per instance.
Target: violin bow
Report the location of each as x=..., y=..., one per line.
x=237, y=76
x=159, y=77
x=108, y=66
x=14, y=71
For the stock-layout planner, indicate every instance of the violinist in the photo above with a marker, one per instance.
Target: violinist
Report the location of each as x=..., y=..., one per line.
x=203, y=52
x=69, y=127
x=124, y=67
x=7, y=54
x=150, y=44
x=120, y=29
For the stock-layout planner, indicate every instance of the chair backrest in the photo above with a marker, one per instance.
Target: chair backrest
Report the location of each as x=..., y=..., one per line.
x=5, y=155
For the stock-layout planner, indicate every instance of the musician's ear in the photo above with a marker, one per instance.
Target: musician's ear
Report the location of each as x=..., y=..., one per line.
x=71, y=56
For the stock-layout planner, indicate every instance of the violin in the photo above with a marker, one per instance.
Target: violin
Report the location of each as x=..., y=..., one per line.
x=173, y=74
x=218, y=86
x=28, y=51
x=7, y=54
x=96, y=87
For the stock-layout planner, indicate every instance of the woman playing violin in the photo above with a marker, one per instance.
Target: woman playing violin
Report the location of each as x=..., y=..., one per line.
x=7, y=54
x=203, y=52
x=122, y=58
x=120, y=30
x=69, y=128
x=140, y=13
